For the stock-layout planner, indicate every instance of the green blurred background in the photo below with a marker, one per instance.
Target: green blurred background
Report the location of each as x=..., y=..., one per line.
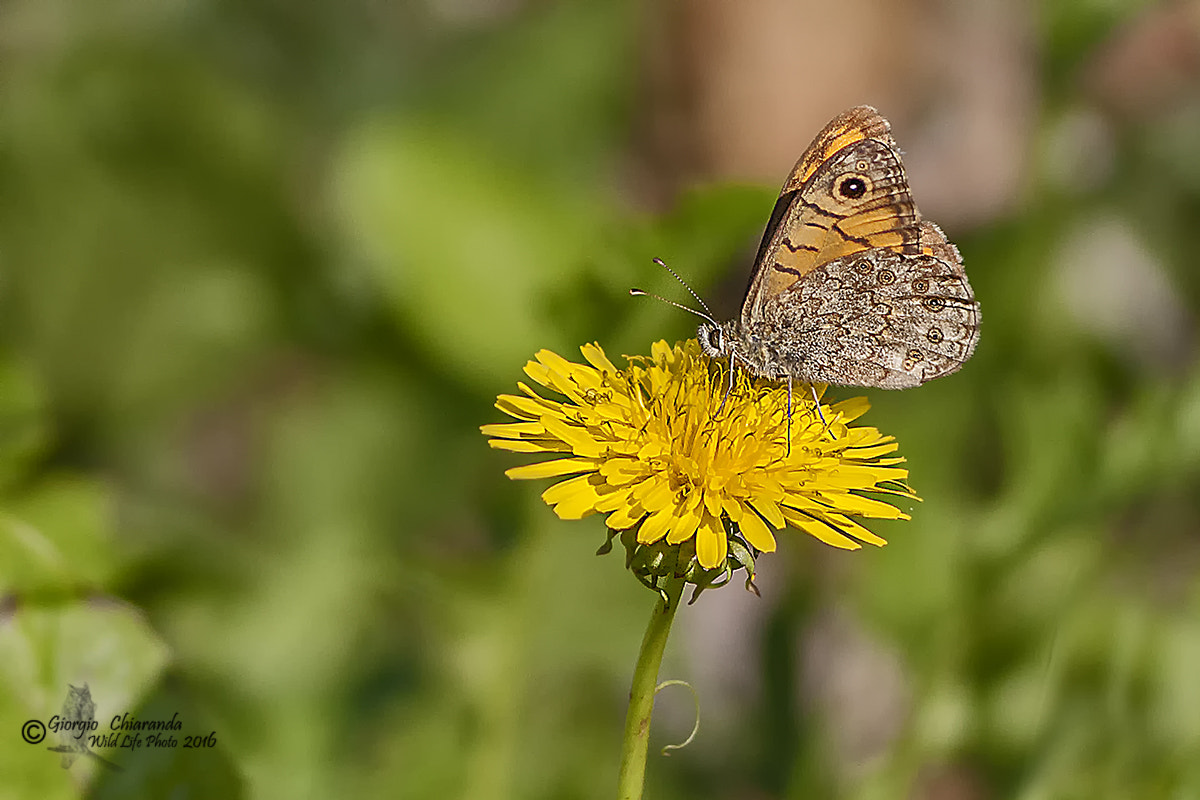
x=264, y=266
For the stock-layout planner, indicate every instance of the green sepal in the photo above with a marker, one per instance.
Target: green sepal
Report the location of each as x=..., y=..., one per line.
x=652, y=563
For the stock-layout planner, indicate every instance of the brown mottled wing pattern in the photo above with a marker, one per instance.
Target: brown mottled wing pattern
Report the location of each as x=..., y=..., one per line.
x=847, y=193
x=934, y=243
x=876, y=318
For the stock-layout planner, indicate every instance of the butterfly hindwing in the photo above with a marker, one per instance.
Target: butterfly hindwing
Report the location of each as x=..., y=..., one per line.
x=878, y=319
x=934, y=243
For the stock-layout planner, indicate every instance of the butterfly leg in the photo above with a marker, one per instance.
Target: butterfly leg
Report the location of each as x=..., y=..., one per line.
x=817, y=404
x=789, y=423
x=729, y=388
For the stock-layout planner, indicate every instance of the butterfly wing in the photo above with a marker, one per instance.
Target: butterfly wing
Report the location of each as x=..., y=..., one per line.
x=848, y=193
x=876, y=318
x=934, y=243
x=849, y=127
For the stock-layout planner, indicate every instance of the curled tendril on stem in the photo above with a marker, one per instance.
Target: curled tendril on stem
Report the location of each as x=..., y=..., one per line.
x=666, y=751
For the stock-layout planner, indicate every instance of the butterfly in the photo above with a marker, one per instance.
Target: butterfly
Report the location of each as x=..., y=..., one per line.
x=850, y=285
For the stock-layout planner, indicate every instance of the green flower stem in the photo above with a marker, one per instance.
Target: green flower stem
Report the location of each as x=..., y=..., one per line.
x=641, y=695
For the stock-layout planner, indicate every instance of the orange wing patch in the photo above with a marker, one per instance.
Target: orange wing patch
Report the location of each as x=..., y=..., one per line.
x=856, y=200
x=853, y=125
x=847, y=194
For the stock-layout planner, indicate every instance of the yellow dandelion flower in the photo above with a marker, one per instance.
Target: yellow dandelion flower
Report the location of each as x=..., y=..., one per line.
x=653, y=449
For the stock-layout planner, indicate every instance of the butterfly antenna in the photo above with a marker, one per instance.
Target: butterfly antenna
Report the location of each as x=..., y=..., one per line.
x=691, y=291
x=701, y=314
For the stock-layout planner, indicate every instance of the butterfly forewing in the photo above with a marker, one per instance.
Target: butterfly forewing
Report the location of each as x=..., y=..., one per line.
x=847, y=128
x=856, y=198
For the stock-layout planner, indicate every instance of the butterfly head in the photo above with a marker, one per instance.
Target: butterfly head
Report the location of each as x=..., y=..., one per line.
x=715, y=339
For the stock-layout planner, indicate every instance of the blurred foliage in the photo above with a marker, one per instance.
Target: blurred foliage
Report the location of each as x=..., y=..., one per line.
x=264, y=267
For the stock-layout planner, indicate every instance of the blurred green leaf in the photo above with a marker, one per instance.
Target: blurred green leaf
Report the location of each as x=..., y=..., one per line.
x=57, y=540
x=464, y=248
